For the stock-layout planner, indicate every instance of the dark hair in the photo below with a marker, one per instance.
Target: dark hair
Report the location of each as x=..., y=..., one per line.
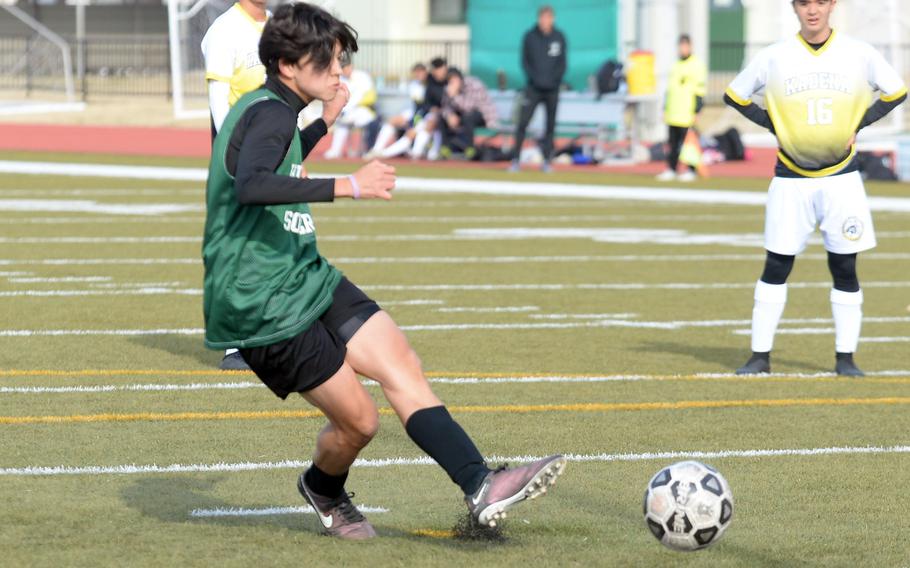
x=438, y=62
x=545, y=9
x=454, y=72
x=298, y=30
x=684, y=38
x=419, y=67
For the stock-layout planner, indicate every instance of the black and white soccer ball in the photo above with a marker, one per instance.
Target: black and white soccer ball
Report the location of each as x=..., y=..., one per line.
x=688, y=506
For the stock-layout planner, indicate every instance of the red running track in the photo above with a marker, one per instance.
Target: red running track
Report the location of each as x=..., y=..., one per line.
x=196, y=143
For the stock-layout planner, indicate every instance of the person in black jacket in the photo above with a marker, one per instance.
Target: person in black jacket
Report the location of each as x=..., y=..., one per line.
x=543, y=58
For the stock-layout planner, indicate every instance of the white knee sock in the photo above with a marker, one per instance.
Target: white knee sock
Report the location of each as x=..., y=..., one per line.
x=397, y=148
x=847, y=308
x=386, y=134
x=339, y=138
x=421, y=140
x=230, y=352
x=770, y=300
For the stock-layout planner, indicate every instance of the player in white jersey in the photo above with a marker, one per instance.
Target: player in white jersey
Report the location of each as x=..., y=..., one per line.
x=817, y=88
x=231, y=51
x=358, y=113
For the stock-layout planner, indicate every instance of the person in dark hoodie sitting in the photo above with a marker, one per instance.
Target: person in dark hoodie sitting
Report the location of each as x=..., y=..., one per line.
x=543, y=58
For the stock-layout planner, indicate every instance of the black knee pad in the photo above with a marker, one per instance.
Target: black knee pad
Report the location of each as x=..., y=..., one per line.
x=843, y=271
x=777, y=268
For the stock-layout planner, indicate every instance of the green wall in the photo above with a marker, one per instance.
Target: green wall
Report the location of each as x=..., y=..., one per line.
x=727, y=33
x=591, y=28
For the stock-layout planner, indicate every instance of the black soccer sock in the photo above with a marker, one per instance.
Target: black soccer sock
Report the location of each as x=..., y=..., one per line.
x=766, y=355
x=436, y=432
x=324, y=484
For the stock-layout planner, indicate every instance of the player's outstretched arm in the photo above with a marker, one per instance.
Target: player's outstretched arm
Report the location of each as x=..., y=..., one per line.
x=373, y=181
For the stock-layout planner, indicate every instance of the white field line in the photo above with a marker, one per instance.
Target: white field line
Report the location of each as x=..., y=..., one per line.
x=512, y=259
x=130, y=469
x=462, y=186
x=146, y=291
x=59, y=280
x=96, y=261
x=122, y=219
x=153, y=387
x=496, y=310
x=454, y=380
x=86, y=206
x=98, y=240
x=609, y=286
x=269, y=511
x=106, y=192
x=599, y=323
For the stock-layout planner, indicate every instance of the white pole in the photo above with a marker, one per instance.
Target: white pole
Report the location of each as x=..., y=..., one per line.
x=173, y=25
x=80, y=40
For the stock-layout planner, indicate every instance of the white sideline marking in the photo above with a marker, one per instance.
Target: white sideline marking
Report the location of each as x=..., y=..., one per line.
x=268, y=511
x=518, y=379
x=904, y=339
x=610, y=286
x=411, y=303
x=131, y=388
x=60, y=280
x=86, y=206
x=463, y=186
x=516, y=259
x=148, y=291
x=99, y=170
x=598, y=323
x=129, y=469
x=497, y=310
x=97, y=240
x=127, y=332
x=92, y=220
x=96, y=261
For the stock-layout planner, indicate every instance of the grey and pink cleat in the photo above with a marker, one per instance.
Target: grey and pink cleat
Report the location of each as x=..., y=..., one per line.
x=339, y=516
x=503, y=488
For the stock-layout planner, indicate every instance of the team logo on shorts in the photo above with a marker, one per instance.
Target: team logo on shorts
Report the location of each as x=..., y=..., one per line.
x=853, y=229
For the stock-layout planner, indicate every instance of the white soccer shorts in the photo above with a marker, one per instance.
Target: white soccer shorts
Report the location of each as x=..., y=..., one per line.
x=837, y=205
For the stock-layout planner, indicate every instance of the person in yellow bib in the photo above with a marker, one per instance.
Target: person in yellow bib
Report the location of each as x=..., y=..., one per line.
x=231, y=51
x=685, y=97
x=818, y=88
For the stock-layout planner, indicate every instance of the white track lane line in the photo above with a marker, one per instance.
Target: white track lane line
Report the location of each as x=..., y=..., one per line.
x=130, y=469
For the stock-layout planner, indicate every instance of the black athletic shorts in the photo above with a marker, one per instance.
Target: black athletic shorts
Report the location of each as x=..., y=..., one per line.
x=309, y=359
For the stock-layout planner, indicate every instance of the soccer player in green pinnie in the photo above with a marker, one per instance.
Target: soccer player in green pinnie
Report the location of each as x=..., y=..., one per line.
x=299, y=323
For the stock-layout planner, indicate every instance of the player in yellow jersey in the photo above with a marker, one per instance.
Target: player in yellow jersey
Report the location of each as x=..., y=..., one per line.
x=231, y=51
x=685, y=98
x=818, y=87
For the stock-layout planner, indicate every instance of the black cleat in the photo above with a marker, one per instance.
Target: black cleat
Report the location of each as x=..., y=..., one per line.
x=234, y=362
x=846, y=367
x=758, y=364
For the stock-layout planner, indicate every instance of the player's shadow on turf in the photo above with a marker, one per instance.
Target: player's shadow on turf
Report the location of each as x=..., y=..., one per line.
x=173, y=499
x=184, y=346
x=728, y=357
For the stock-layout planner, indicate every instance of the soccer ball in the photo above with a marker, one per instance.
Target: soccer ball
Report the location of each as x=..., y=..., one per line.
x=688, y=506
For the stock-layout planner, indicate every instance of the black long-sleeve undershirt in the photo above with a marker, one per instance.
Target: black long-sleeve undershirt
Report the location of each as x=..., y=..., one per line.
x=879, y=110
x=753, y=112
x=259, y=144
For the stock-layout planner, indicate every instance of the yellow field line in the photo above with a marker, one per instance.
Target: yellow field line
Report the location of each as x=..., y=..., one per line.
x=491, y=409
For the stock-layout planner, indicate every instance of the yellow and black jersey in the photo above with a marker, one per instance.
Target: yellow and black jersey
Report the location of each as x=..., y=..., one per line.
x=816, y=99
x=231, y=50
